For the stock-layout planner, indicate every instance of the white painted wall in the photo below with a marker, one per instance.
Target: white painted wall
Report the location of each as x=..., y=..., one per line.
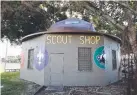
x=111, y=75
x=71, y=76
x=27, y=74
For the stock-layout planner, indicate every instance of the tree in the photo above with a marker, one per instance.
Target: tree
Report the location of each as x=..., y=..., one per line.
x=20, y=18
x=116, y=14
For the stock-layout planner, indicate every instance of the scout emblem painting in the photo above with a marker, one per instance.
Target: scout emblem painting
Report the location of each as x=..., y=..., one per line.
x=41, y=58
x=99, y=57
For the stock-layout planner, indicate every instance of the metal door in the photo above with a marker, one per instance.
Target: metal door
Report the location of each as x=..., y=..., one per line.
x=56, y=69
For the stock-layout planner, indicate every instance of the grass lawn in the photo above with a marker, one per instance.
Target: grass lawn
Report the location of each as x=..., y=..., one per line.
x=11, y=83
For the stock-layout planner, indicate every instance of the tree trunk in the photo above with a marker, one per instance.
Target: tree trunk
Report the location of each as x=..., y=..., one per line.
x=133, y=42
x=134, y=48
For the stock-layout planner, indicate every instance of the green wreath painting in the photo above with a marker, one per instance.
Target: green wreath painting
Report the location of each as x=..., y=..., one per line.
x=99, y=57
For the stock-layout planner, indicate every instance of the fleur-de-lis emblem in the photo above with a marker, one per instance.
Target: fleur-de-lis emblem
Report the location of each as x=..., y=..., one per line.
x=40, y=56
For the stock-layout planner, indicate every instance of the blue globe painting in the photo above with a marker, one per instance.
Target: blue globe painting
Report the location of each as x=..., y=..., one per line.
x=99, y=57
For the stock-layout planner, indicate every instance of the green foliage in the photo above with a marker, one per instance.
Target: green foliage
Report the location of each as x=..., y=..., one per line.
x=11, y=84
x=9, y=75
x=20, y=18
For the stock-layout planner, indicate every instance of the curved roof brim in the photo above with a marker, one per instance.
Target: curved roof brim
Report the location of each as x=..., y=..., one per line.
x=28, y=37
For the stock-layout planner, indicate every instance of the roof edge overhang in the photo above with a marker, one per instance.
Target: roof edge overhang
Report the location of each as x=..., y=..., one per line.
x=30, y=36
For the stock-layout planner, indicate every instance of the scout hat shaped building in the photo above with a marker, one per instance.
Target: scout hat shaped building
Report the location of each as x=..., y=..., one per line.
x=70, y=53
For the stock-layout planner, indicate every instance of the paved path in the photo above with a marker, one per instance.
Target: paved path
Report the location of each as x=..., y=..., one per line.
x=114, y=89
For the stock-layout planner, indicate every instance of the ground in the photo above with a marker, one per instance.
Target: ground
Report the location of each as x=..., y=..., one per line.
x=114, y=89
x=12, y=85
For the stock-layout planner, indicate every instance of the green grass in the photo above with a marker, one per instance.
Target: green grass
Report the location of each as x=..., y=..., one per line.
x=12, y=84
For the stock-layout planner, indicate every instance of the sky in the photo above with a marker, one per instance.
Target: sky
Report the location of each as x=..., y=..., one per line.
x=12, y=50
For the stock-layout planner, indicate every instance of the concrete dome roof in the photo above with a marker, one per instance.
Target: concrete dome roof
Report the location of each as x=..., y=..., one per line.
x=72, y=25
